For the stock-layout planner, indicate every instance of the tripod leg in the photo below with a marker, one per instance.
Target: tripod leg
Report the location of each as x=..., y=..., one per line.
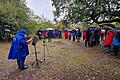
x=36, y=60
x=44, y=53
x=37, y=63
x=48, y=50
x=33, y=63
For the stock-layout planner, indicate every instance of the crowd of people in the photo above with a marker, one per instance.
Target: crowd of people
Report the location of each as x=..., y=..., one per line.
x=109, y=39
x=112, y=41
x=92, y=36
x=49, y=34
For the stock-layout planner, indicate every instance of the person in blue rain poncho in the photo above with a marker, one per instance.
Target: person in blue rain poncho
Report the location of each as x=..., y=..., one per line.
x=56, y=33
x=116, y=44
x=19, y=49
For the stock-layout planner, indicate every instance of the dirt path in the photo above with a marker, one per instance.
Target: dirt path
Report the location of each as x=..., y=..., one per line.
x=66, y=60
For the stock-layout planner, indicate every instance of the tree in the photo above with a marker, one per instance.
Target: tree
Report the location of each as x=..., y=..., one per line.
x=98, y=11
x=45, y=25
x=13, y=13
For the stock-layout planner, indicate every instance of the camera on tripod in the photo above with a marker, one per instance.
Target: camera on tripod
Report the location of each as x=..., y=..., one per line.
x=44, y=42
x=35, y=40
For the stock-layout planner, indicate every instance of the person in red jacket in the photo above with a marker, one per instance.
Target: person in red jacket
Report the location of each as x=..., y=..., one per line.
x=66, y=34
x=84, y=35
x=44, y=34
x=109, y=38
x=108, y=41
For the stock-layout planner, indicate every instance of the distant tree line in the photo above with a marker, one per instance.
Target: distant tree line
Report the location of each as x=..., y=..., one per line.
x=14, y=15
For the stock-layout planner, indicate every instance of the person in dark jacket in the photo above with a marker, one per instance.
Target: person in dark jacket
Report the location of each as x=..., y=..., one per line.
x=60, y=34
x=19, y=49
x=70, y=35
x=49, y=36
x=92, y=39
x=39, y=33
x=74, y=34
x=79, y=34
x=97, y=37
x=87, y=38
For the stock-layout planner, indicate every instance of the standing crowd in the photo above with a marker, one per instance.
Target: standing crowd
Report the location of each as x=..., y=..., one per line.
x=109, y=39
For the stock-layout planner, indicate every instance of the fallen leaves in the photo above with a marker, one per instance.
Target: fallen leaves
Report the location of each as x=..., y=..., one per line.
x=80, y=63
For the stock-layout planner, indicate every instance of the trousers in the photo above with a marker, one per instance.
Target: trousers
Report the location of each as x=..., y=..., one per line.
x=115, y=50
x=20, y=63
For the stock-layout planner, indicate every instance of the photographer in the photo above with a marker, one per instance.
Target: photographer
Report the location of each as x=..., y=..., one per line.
x=19, y=49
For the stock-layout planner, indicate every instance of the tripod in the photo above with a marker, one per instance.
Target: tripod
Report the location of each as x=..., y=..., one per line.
x=45, y=46
x=36, y=60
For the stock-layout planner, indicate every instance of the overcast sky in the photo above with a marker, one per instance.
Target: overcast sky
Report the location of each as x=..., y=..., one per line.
x=40, y=7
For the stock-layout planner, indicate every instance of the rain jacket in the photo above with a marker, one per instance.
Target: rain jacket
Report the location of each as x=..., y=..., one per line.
x=109, y=39
x=19, y=48
x=84, y=35
x=74, y=32
x=49, y=34
x=116, y=41
x=66, y=34
x=79, y=34
x=56, y=33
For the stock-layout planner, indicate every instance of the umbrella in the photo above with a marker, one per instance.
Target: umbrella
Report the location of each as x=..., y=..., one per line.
x=91, y=28
x=44, y=30
x=49, y=29
x=76, y=29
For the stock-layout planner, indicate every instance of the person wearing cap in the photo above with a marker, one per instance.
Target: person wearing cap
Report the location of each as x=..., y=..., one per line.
x=19, y=49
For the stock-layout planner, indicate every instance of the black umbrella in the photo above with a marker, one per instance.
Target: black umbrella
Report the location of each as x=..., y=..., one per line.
x=110, y=25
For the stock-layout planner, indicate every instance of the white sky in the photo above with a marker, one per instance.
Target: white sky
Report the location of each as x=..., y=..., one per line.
x=41, y=7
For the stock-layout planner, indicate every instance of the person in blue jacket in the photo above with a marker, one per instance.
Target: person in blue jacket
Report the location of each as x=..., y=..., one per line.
x=56, y=33
x=74, y=34
x=19, y=49
x=60, y=34
x=116, y=43
x=49, y=36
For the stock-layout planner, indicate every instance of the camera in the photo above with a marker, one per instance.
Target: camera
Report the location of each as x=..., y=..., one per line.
x=35, y=40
